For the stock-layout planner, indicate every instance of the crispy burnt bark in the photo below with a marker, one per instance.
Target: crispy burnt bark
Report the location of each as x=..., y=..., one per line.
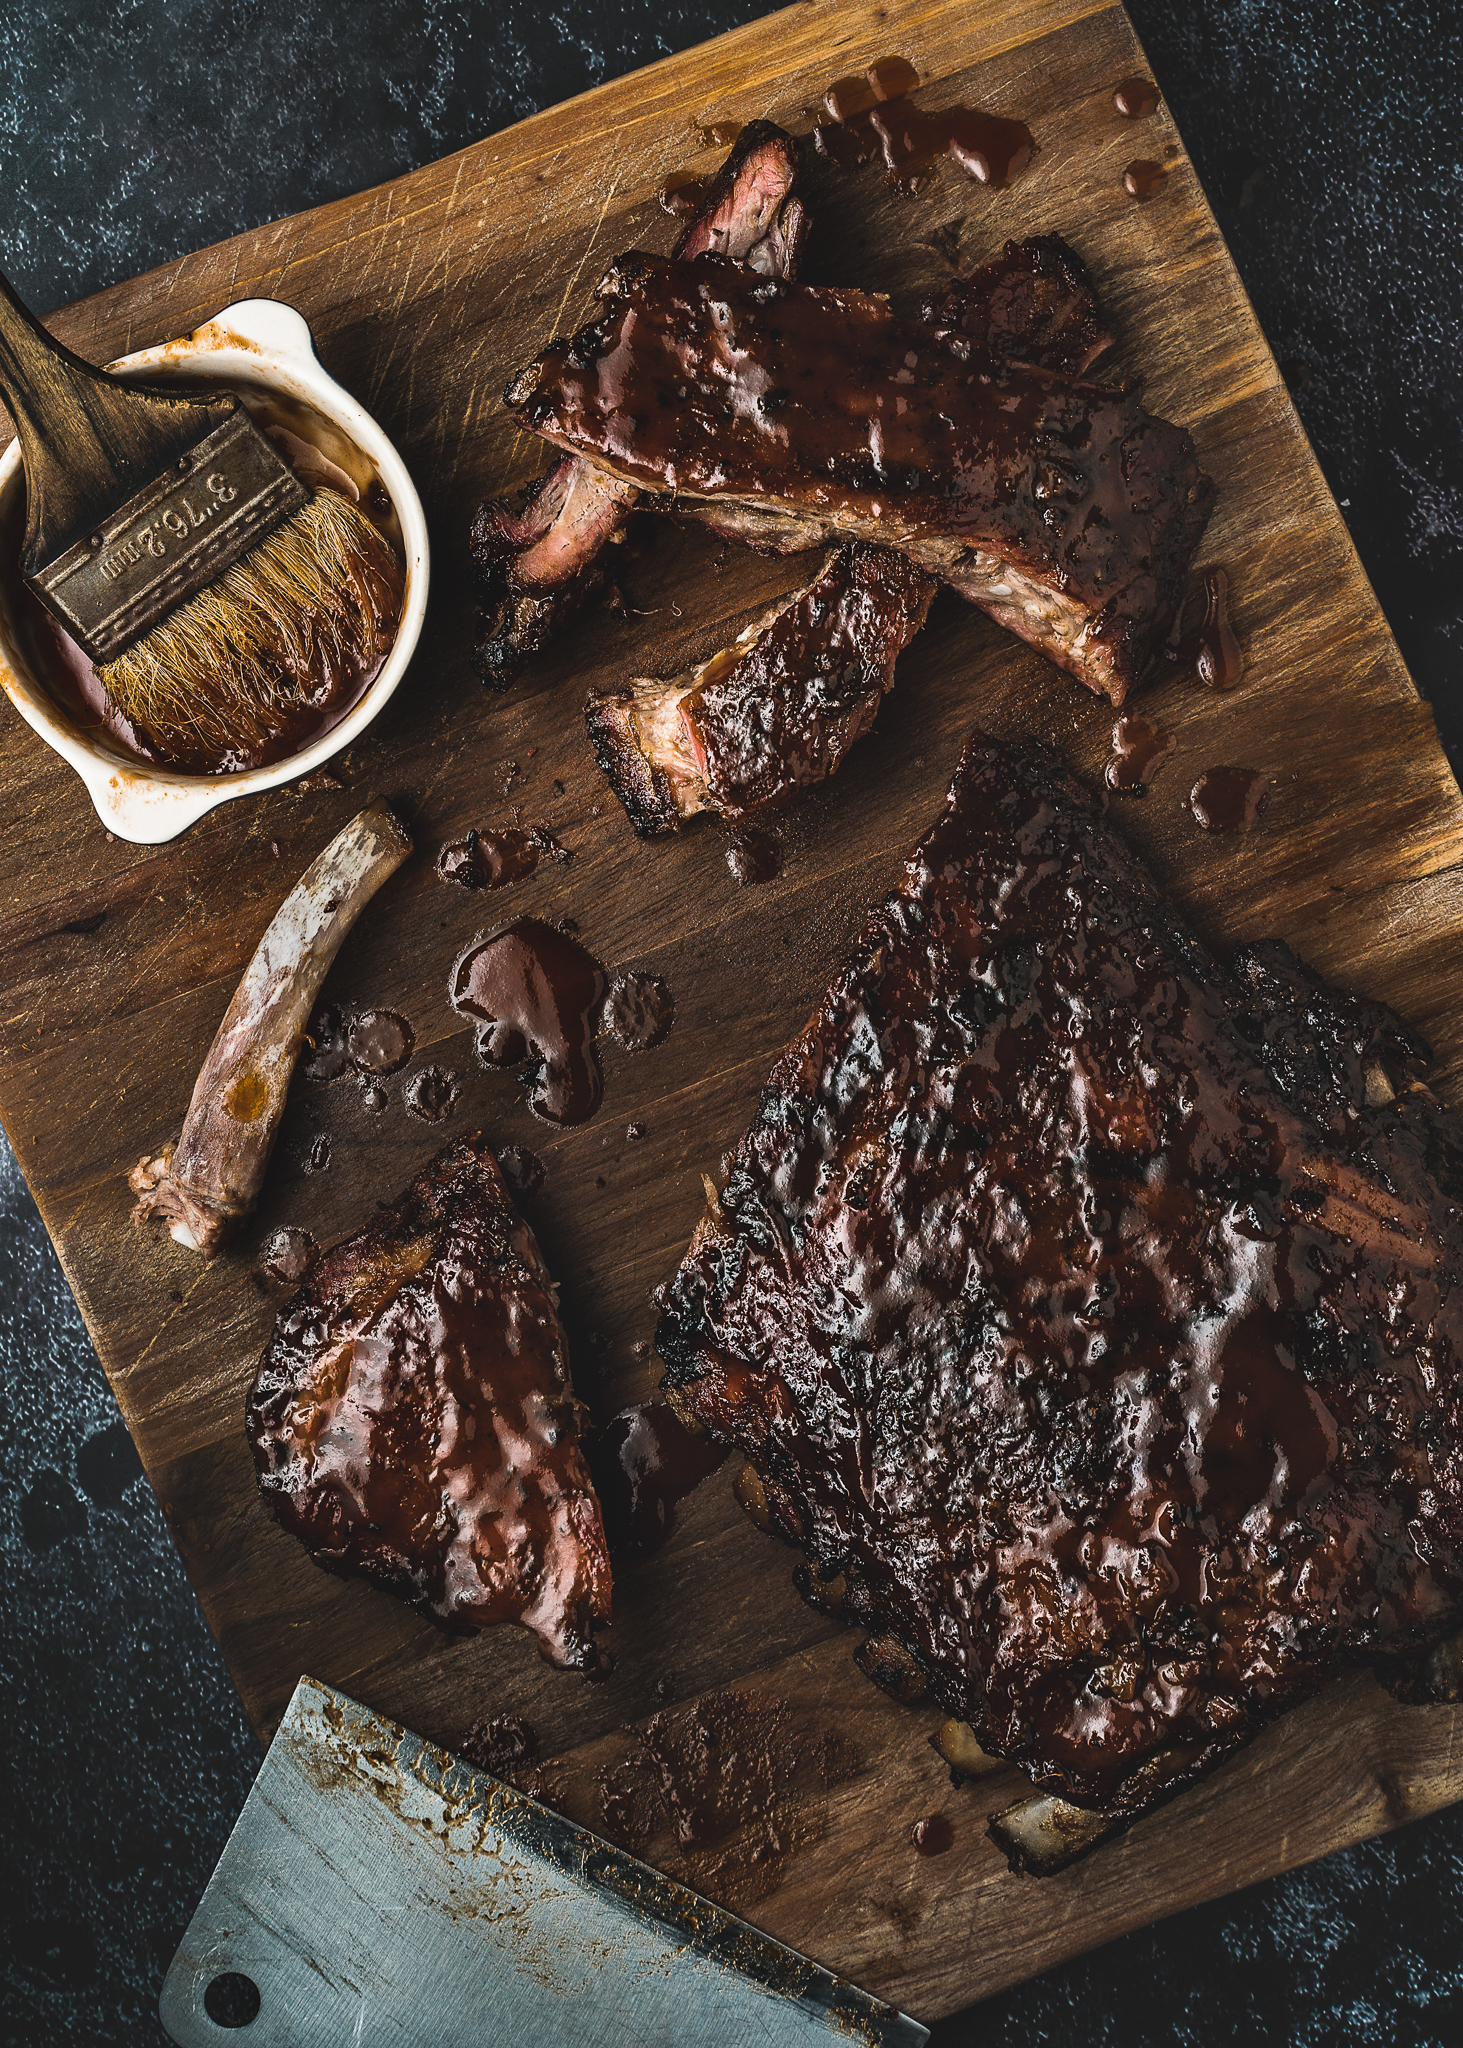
x=1034, y=303
x=540, y=557
x=1092, y=1308
x=1060, y=507
x=776, y=711
x=413, y=1419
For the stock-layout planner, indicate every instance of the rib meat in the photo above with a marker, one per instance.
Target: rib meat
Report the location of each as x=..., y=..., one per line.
x=413, y=1420
x=1060, y=507
x=1092, y=1308
x=1034, y=303
x=773, y=713
x=779, y=709
x=539, y=558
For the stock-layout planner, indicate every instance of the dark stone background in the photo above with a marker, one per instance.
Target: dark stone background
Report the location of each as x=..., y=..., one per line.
x=1329, y=138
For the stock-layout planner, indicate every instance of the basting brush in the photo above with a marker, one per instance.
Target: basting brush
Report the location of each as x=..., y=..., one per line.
x=224, y=605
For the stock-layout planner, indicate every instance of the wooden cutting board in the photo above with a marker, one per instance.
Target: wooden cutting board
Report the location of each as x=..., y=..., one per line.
x=424, y=295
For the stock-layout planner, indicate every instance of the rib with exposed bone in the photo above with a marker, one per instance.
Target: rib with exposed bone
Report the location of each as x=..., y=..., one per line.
x=208, y=1182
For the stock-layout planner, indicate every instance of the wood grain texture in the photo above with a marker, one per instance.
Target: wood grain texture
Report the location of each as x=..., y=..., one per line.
x=424, y=295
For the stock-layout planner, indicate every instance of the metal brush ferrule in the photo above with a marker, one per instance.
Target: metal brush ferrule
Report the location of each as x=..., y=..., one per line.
x=172, y=539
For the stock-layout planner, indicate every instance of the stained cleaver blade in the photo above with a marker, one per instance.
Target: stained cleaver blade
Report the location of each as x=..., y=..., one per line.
x=377, y=1893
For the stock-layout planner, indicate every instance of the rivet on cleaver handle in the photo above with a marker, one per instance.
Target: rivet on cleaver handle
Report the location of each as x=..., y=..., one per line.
x=375, y=1891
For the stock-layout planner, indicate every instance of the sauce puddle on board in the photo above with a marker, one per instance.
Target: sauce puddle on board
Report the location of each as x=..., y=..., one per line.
x=645, y=1462
x=379, y=1042
x=1229, y=799
x=874, y=120
x=490, y=860
x=431, y=1095
x=537, y=994
x=683, y=197
x=1139, y=750
x=933, y=1835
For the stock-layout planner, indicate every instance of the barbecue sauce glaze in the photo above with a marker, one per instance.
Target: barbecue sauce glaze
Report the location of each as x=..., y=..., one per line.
x=413, y=1420
x=1088, y=1305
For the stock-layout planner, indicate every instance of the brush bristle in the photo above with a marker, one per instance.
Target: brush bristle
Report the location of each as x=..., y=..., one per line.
x=248, y=669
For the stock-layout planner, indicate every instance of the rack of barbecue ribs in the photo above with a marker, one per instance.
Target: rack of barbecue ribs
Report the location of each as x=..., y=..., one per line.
x=1090, y=1311
x=413, y=1418
x=779, y=709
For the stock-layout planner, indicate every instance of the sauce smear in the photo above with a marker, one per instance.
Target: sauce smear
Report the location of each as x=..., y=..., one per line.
x=537, y=993
x=490, y=860
x=1139, y=750
x=874, y=120
x=682, y=197
x=645, y=1462
x=1229, y=799
x=1211, y=649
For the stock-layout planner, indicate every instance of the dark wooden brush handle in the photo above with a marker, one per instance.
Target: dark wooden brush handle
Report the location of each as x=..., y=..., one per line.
x=90, y=441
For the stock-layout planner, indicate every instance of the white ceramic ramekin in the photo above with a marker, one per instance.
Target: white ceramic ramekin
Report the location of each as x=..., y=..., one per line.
x=257, y=343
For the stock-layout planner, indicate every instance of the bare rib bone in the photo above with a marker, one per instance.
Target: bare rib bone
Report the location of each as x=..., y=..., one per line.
x=209, y=1181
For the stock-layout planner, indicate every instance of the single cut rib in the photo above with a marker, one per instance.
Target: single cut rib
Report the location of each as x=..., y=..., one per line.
x=776, y=711
x=539, y=558
x=1060, y=507
x=413, y=1420
x=1093, y=1309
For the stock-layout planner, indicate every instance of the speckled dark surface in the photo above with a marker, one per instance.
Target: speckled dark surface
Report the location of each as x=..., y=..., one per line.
x=1330, y=140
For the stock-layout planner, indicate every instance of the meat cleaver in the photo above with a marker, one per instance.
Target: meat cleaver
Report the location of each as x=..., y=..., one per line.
x=377, y=1893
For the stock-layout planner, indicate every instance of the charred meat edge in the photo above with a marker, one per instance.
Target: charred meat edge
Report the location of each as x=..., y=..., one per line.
x=206, y=1183
x=540, y=558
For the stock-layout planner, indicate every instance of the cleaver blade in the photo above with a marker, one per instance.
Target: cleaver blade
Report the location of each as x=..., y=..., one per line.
x=377, y=1893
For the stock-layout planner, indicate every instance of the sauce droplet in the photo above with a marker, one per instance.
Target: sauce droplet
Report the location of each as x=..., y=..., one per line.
x=373, y=1098
x=1144, y=179
x=933, y=1835
x=639, y=1011
x=326, y=1056
x=682, y=197
x=315, y=1153
x=431, y=1094
x=523, y=1170
x=1229, y=799
x=1139, y=750
x=753, y=856
x=490, y=860
x=718, y=134
x=872, y=118
x=379, y=1042
x=538, y=993
x=285, y=1258
x=1135, y=97
x=500, y=1743
x=645, y=1462
x=1211, y=649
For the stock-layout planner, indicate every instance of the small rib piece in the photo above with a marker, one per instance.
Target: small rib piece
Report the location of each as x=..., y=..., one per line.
x=413, y=1419
x=776, y=711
